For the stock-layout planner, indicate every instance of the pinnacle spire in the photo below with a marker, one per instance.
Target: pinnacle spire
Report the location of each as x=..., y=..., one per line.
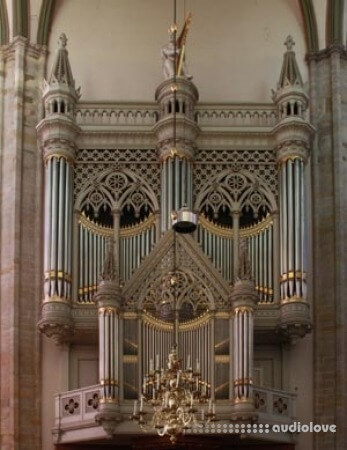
x=109, y=272
x=244, y=270
x=290, y=73
x=61, y=71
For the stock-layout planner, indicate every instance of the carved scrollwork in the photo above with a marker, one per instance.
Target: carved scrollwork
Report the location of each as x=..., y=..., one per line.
x=234, y=191
x=117, y=189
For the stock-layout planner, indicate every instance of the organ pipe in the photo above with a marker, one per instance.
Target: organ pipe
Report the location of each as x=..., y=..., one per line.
x=58, y=228
x=176, y=187
x=293, y=274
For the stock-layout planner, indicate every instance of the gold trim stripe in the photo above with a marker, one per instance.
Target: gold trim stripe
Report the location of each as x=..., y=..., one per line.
x=52, y=274
x=222, y=359
x=298, y=275
x=130, y=359
x=228, y=232
x=126, y=232
x=166, y=326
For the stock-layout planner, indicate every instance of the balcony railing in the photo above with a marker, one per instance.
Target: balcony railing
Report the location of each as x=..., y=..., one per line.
x=75, y=414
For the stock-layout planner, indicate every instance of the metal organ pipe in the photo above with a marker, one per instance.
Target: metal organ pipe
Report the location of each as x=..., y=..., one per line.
x=293, y=274
x=58, y=229
x=176, y=187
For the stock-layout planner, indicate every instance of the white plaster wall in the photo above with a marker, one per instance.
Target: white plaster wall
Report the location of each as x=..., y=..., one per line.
x=55, y=379
x=234, y=50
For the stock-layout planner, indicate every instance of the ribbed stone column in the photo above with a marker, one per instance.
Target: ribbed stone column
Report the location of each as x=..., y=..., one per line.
x=108, y=300
x=243, y=299
x=176, y=149
x=57, y=133
x=293, y=137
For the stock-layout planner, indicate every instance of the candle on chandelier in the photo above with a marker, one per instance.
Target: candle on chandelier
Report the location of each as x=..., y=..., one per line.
x=151, y=365
x=141, y=404
x=188, y=362
x=135, y=407
x=157, y=362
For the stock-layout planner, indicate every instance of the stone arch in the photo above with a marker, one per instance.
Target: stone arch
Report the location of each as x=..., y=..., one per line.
x=3, y=23
x=334, y=22
x=310, y=24
x=20, y=18
x=45, y=21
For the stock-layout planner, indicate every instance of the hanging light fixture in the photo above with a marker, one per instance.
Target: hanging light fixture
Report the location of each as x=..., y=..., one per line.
x=174, y=393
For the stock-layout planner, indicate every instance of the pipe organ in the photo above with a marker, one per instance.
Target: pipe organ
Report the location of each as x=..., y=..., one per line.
x=254, y=237
x=136, y=242
x=154, y=342
x=293, y=257
x=176, y=186
x=58, y=227
x=217, y=242
x=92, y=247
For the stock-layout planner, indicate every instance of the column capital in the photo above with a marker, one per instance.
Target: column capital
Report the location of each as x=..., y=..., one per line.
x=109, y=295
x=293, y=137
x=244, y=295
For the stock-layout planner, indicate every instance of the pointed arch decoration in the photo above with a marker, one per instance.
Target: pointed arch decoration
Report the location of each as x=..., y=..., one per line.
x=45, y=21
x=3, y=23
x=310, y=23
x=20, y=18
x=334, y=23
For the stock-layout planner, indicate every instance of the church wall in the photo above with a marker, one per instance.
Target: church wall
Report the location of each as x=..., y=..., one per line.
x=122, y=39
x=84, y=367
x=55, y=378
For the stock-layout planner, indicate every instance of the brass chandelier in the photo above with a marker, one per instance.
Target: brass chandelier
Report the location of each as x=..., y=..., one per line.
x=174, y=393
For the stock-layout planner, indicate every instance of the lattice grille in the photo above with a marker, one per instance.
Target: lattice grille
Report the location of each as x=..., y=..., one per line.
x=143, y=162
x=208, y=163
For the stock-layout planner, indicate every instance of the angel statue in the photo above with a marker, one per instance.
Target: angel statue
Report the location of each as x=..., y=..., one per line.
x=174, y=55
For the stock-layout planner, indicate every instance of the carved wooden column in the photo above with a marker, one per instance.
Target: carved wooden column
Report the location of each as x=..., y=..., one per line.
x=108, y=300
x=176, y=145
x=57, y=133
x=293, y=138
x=243, y=300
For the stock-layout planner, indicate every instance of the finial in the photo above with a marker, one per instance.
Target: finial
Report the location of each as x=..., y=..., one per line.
x=62, y=41
x=289, y=43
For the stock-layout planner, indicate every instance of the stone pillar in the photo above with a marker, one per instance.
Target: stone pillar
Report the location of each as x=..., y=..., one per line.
x=21, y=75
x=328, y=72
x=176, y=145
x=243, y=300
